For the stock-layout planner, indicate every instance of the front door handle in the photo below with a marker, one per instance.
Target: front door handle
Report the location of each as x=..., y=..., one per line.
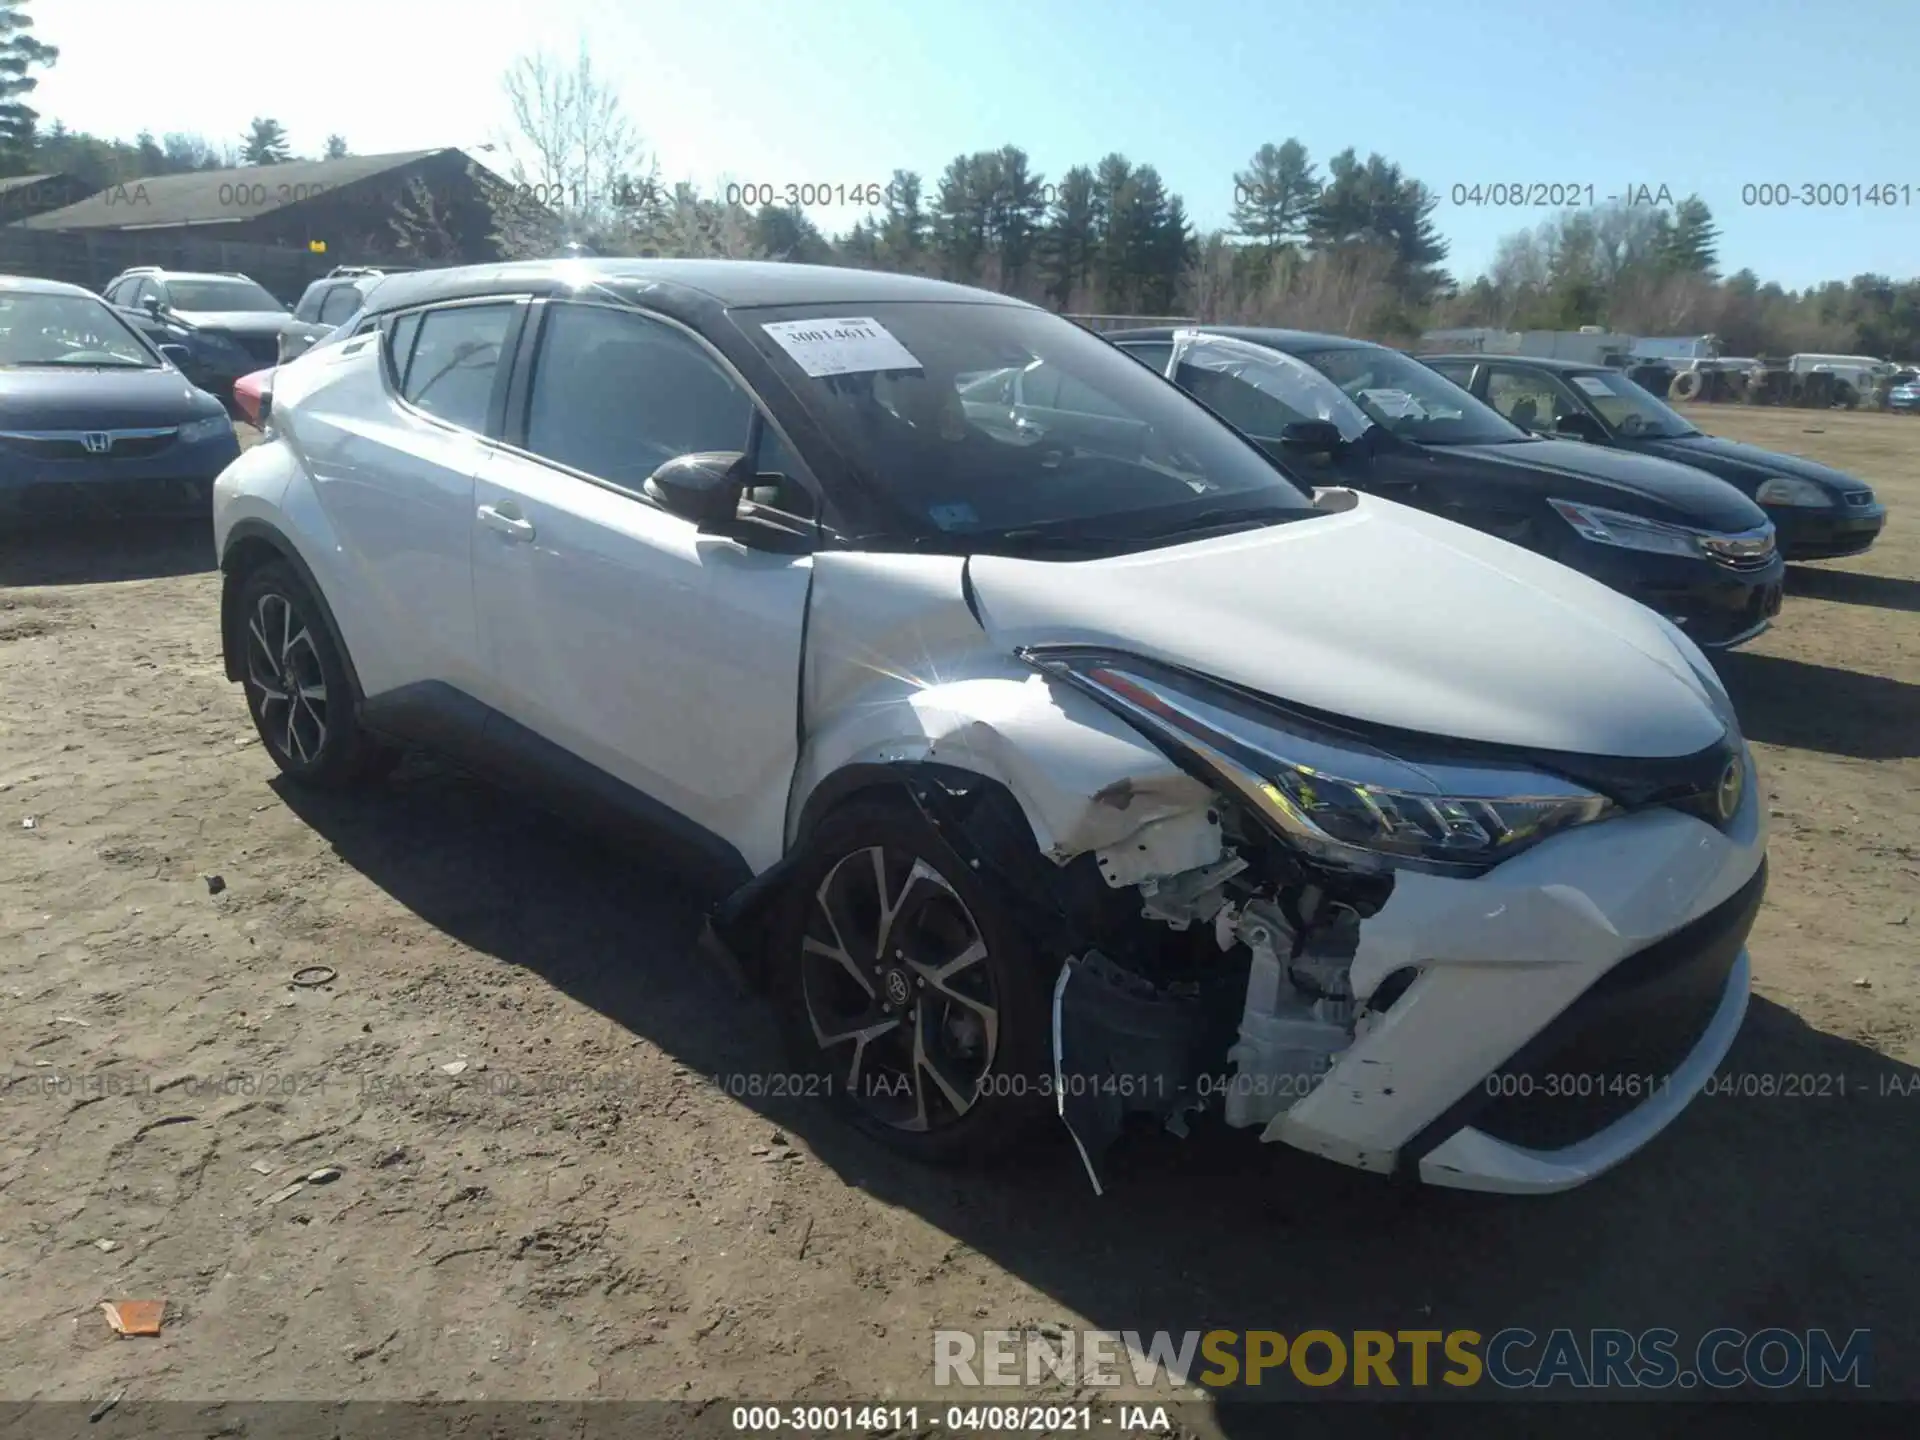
x=506, y=522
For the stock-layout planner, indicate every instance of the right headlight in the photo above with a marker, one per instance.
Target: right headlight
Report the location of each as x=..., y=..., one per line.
x=1632, y=532
x=1791, y=490
x=1333, y=795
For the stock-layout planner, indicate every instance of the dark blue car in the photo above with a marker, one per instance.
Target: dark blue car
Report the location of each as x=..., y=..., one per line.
x=92, y=417
x=1819, y=513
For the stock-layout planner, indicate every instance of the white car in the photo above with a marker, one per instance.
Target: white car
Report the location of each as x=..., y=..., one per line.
x=1071, y=762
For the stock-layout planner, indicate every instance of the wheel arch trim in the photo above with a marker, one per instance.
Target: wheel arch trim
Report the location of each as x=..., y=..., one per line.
x=243, y=541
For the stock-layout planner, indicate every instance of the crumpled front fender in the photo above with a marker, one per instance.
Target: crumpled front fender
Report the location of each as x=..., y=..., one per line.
x=899, y=672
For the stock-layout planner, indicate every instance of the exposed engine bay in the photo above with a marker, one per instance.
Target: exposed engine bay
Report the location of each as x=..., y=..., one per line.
x=1228, y=989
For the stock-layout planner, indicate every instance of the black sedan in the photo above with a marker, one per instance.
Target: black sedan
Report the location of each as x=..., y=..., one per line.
x=1819, y=512
x=228, y=325
x=94, y=418
x=1345, y=412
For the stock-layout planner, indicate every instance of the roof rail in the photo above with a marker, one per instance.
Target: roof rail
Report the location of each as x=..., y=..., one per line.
x=141, y=270
x=342, y=271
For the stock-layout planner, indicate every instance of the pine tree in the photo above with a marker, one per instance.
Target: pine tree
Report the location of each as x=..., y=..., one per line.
x=19, y=53
x=1273, y=198
x=265, y=143
x=1693, y=245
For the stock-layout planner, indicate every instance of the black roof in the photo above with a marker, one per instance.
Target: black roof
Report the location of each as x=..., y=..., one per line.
x=731, y=284
x=1538, y=362
x=208, y=197
x=1273, y=339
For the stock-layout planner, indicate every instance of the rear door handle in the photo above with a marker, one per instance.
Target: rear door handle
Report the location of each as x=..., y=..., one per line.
x=506, y=522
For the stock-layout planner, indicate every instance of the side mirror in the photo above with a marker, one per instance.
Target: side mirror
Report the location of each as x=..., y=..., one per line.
x=1312, y=435
x=178, y=355
x=704, y=487
x=1576, y=426
x=151, y=304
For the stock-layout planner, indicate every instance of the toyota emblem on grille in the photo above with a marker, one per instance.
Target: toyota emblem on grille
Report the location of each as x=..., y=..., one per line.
x=98, y=442
x=1727, y=797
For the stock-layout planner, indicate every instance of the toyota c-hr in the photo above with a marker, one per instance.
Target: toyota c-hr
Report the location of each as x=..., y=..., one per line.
x=1077, y=762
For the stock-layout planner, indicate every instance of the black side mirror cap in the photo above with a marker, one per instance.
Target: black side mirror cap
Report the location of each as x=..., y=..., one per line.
x=178, y=355
x=1576, y=427
x=704, y=487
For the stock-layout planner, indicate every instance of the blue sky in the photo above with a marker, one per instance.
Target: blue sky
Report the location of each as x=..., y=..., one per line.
x=1696, y=97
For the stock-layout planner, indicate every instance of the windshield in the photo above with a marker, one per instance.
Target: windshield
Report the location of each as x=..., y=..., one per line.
x=994, y=425
x=1410, y=400
x=213, y=295
x=1629, y=408
x=37, y=329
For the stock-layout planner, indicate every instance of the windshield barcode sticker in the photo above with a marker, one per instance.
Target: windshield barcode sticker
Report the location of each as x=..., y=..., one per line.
x=843, y=346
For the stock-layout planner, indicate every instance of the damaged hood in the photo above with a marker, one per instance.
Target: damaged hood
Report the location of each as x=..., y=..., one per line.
x=1382, y=614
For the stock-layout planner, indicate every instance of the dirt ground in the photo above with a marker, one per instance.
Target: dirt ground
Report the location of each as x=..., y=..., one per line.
x=583, y=1211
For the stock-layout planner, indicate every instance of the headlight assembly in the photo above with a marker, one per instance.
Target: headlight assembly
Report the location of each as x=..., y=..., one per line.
x=206, y=428
x=1639, y=532
x=1333, y=795
x=1631, y=532
x=1789, y=490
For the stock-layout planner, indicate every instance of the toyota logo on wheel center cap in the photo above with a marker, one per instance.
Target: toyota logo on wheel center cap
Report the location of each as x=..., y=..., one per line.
x=899, y=991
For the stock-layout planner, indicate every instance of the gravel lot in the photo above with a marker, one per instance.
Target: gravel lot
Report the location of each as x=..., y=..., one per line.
x=543, y=1193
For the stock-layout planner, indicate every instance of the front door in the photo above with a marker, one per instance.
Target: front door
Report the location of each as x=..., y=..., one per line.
x=666, y=658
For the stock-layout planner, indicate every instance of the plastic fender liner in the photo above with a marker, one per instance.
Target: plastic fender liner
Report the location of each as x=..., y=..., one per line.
x=1120, y=1046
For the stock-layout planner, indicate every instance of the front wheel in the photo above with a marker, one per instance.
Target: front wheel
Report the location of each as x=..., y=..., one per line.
x=905, y=987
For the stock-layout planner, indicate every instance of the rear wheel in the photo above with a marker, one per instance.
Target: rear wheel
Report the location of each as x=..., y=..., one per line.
x=904, y=986
x=298, y=690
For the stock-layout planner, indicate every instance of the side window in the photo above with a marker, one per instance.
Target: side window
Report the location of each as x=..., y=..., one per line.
x=1526, y=397
x=1459, y=374
x=340, y=303
x=455, y=355
x=309, y=307
x=616, y=395
x=400, y=347
x=1154, y=354
x=118, y=292
x=141, y=290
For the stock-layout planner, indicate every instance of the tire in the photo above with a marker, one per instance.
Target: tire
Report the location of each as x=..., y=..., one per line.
x=298, y=690
x=986, y=1029
x=1687, y=385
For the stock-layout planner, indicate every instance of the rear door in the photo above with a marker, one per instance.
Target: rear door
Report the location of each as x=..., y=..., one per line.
x=664, y=657
x=396, y=483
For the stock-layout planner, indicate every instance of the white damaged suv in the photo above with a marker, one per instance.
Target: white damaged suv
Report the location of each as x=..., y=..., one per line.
x=1050, y=750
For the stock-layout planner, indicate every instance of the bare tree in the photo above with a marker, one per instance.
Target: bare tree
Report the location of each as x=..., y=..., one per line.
x=573, y=148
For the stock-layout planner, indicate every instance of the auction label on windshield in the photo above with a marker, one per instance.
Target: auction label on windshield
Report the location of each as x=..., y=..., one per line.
x=850, y=345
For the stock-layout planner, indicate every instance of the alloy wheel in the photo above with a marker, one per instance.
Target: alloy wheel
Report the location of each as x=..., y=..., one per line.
x=288, y=683
x=897, y=989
